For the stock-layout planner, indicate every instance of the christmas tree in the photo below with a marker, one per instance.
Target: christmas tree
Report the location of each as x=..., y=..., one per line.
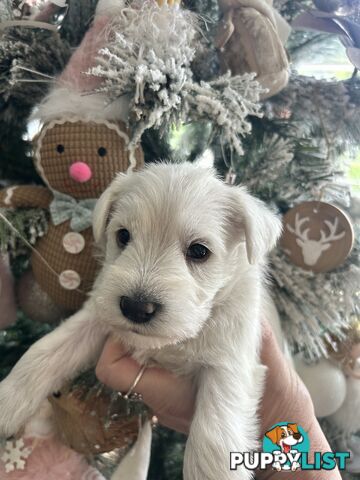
x=276, y=109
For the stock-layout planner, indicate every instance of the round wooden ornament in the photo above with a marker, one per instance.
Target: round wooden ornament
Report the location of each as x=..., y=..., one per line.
x=317, y=236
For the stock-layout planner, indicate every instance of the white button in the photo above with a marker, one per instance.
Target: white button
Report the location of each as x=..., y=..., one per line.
x=69, y=279
x=73, y=242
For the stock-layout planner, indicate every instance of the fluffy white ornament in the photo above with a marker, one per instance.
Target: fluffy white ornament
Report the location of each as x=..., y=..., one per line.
x=326, y=384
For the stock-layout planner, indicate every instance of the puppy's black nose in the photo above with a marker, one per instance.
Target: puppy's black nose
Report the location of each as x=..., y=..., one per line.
x=297, y=436
x=138, y=311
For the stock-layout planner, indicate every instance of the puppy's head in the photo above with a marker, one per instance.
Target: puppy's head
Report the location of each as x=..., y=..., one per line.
x=172, y=238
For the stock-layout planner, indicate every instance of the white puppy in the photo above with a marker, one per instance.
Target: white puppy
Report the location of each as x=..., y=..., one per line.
x=182, y=285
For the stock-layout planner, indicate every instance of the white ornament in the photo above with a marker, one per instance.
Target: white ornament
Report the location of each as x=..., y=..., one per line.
x=15, y=455
x=313, y=249
x=69, y=279
x=73, y=242
x=326, y=384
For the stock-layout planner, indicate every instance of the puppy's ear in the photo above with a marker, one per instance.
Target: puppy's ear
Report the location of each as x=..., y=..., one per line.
x=274, y=434
x=101, y=214
x=293, y=427
x=261, y=226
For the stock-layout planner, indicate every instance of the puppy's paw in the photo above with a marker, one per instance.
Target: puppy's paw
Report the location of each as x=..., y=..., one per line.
x=14, y=410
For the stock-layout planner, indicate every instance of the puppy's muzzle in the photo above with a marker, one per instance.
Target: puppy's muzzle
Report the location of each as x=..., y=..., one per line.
x=138, y=311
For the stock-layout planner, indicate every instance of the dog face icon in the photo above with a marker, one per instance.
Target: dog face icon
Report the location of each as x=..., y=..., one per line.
x=285, y=436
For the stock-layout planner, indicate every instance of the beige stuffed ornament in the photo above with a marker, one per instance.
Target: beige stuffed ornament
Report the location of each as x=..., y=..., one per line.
x=82, y=145
x=91, y=419
x=250, y=38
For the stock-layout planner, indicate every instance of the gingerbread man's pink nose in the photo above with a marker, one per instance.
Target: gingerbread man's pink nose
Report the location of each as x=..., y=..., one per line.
x=80, y=172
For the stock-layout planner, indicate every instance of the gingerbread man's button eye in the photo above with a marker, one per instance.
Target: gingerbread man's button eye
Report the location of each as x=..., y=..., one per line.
x=102, y=152
x=60, y=148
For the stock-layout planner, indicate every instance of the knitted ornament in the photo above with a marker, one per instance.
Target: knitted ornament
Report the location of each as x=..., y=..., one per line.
x=63, y=263
x=49, y=459
x=36, y=302
x=39, y=454
x=81, y=147
x=250, y=38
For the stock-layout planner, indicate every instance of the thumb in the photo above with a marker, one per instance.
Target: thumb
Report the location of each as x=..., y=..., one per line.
x=167, y=395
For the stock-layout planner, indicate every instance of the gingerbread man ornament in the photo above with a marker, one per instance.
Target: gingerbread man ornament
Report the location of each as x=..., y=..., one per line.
x=81, y=147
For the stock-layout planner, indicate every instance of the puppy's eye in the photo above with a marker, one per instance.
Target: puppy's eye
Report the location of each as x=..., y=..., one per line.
x=197, y=252
x=122, y=237
x=102, y=151
x=283, y=435
x=60, y=148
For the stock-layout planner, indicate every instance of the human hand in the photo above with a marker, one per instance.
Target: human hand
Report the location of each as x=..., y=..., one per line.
x=287, y=399
x=172, y=398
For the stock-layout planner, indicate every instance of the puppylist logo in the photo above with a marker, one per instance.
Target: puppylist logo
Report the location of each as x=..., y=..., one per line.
x=286, y=447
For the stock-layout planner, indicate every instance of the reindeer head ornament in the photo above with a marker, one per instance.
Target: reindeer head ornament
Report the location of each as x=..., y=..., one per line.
x=317, y=236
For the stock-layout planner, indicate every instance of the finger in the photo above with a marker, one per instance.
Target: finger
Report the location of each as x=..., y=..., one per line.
x=284, y=393
x=118, y=370
x=285, y=398
x=169, y=396
x=112, y=352
x=280, y=370
x=270, y=350
x=181, y=425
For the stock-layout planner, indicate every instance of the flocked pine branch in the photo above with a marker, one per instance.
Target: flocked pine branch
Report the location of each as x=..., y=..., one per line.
x=24, y=51
x=227, y=102
x=150, y=60
x=328, y=109
x=315, y=307
x=27, y=223
x=292, y=156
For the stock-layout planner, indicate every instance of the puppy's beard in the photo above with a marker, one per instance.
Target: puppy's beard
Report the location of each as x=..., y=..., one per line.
x=157, y=335
x=139, y=340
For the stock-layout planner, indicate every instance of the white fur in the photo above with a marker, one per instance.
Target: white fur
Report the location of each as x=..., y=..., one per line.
x=44, y=368
x=109, y=7
x=68, y=101
x=209, y=324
